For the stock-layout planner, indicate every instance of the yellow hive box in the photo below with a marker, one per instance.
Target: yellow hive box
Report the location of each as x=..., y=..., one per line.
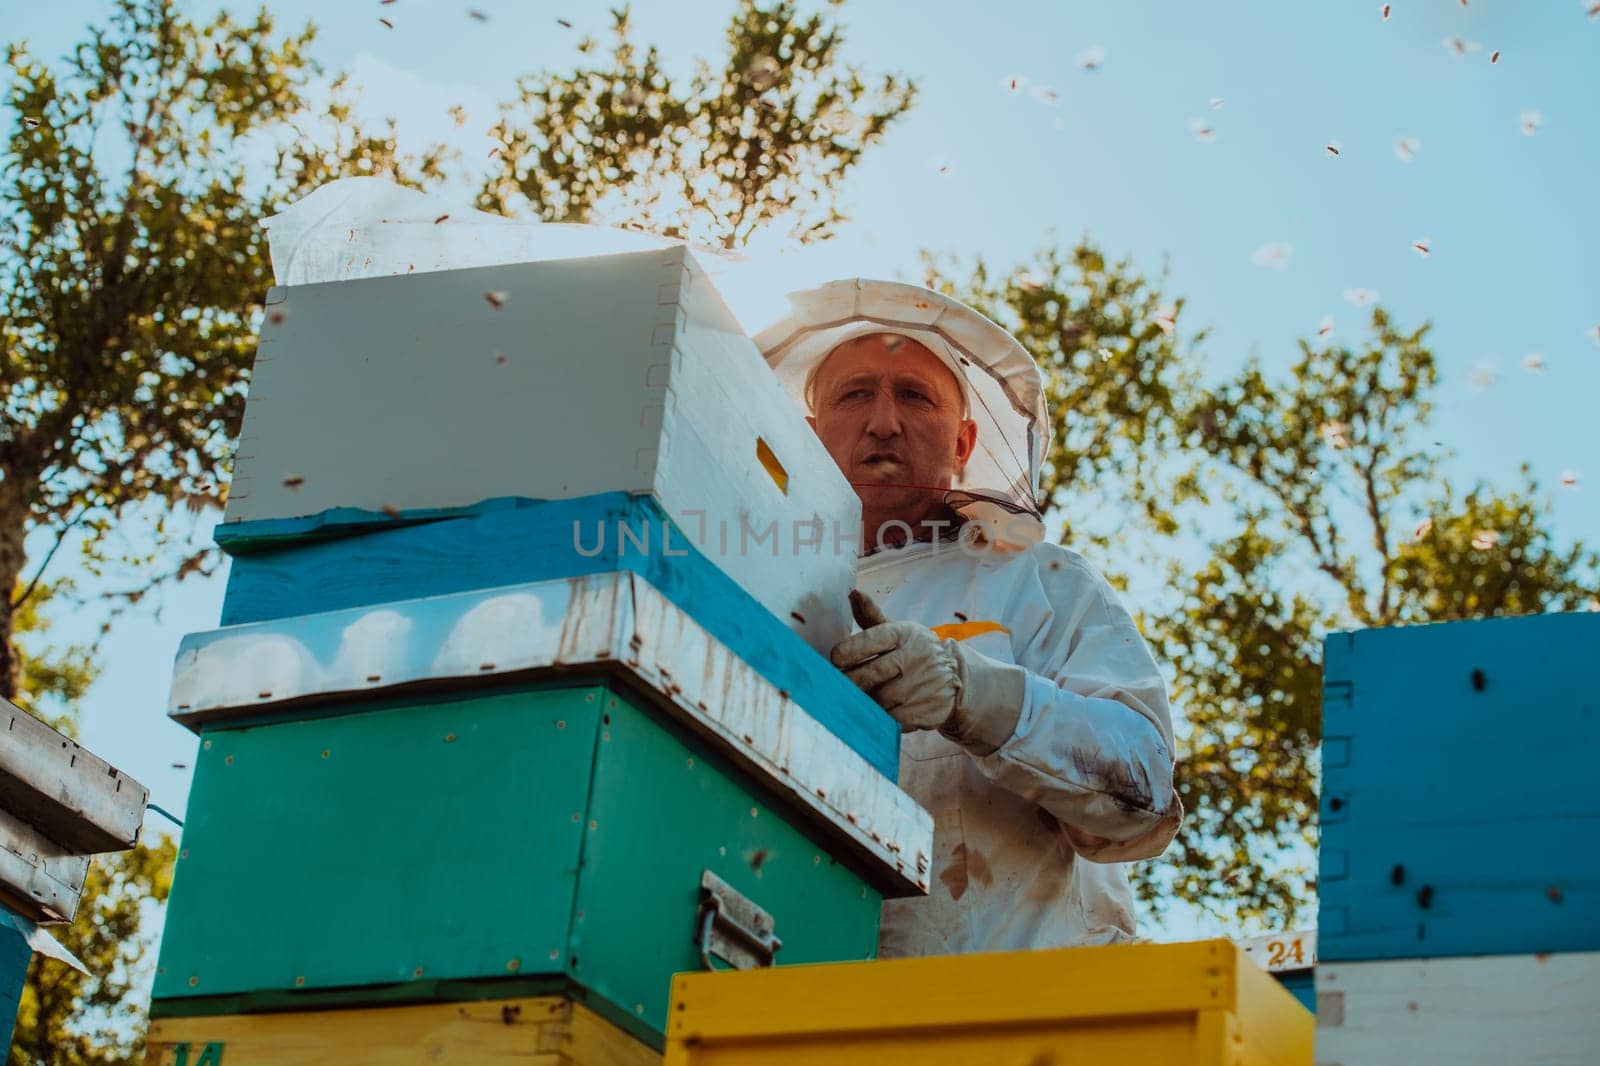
x=1203, y=1003
x=534, y=1031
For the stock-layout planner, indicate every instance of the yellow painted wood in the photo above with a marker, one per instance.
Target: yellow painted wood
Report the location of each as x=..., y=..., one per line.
x=769, y=463
x=536, y=1031
x=1270, y=1035
x=1202, y=1003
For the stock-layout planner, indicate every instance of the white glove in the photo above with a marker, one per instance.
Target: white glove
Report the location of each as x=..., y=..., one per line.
x=928, y=683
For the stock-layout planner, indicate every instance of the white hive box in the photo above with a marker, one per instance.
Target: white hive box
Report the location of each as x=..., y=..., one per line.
x=1474, y=1010
x=59, y=804
x=550, y=380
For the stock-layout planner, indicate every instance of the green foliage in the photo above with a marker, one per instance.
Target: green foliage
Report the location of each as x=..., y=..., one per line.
x=1115, y=372
x=51, y=676
x=132, y=270
x=1488, y=554
x=768, y=137
x=1338, y=432
x=1274, y=510
x=67, y=1018
x=1244, y=647
x=1325, y=474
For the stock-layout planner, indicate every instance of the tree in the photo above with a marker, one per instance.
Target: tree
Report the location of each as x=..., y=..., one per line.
x=1340, y=522
x=768, y=137
x=67, y=1018
x=52, y=677
x=132, y=270
x=1116, y=373
x=1271, y=512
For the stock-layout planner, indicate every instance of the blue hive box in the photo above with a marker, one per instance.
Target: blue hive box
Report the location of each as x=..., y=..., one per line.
x=1459, y=807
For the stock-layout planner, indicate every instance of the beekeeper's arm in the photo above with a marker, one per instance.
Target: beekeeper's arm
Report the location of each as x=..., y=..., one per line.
x=1082, y=729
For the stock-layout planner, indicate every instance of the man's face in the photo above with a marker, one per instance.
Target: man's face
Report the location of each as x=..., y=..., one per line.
x=889, y=411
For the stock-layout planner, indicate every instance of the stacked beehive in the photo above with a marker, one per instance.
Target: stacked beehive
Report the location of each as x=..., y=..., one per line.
x=1203, y=1003
x=1460, y=887
x=518, y=708
x=59, y=805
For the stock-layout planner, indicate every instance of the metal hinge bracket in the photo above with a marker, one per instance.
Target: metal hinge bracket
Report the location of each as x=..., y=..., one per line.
x=731, y=927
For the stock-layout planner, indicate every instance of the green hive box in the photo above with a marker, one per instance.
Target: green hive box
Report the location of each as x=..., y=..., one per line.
x=512, y=791
x=553, y=837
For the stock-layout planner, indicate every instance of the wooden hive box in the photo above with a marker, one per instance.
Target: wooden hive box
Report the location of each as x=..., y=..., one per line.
x=1475, y=1010
x=59, y=804
x=1458, y=805
x=1196, y=1004
x=531, y=1031
x=418, y=396
x=517, y=791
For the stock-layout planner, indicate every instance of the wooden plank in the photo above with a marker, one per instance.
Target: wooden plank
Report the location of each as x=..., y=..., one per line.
x=73, y=796
x=15, y=954
x=1265, y=1030
x=1165, y=1041
x=1440, y=742
x=1534, y=1010
x=1193, y=1004
x=539, y=1031
x=951, y=991
x=1030, y=987
x=1285, y=952
x=39, y=878
x=501, y=542
x=515, y=541
x=1291, y=958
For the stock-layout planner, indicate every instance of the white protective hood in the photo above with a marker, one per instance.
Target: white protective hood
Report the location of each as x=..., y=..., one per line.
x=1005, y=388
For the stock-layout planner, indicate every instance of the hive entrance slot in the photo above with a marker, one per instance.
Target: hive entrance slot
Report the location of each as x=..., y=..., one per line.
x=769, y=463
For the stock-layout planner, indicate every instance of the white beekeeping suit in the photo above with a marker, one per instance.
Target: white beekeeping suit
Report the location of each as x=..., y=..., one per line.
x=1031, y=827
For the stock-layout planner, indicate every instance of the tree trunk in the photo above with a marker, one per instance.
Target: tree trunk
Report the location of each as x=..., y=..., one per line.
x=13, y=531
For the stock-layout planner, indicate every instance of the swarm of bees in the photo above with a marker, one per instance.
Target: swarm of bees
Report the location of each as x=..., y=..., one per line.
x=763, y=72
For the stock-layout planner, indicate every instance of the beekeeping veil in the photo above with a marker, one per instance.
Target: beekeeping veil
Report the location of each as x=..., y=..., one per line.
x=1004, y=389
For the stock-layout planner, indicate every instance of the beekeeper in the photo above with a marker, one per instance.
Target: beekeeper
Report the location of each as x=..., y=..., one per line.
x=1036, y=723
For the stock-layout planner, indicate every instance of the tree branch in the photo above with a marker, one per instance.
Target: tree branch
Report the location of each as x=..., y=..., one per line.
x=1380, y=532
x=60, y=539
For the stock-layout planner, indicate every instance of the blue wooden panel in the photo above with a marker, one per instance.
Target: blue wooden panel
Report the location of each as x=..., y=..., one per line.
x=1302, y=985
x=1459, y=810
x=242, y=538
x=350, y=558
x=14, y=957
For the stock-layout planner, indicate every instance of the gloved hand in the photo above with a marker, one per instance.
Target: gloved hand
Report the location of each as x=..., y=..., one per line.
x=928, y=683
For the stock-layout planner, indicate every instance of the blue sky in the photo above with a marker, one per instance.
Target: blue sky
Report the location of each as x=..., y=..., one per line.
x=1511, y=218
